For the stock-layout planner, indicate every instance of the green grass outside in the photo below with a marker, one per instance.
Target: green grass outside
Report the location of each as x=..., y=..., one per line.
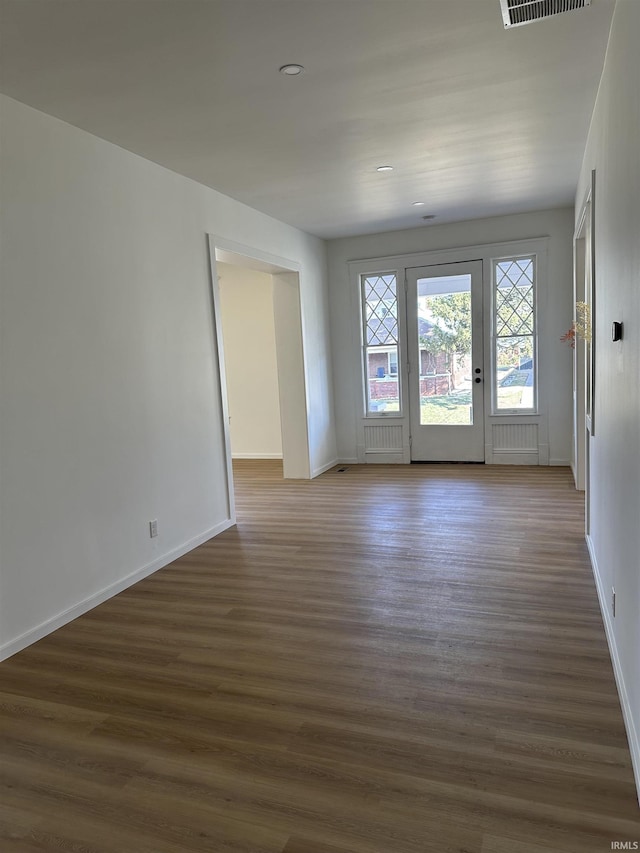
x=454, y=409
x=446, y=409
x=510, y=398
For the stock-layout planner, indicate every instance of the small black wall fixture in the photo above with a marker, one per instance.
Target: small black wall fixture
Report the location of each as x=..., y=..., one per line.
x=616, y=331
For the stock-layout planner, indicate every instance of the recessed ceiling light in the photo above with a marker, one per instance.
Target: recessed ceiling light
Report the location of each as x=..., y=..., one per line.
x=384, y=169
x=292, y=69
x=418, y=204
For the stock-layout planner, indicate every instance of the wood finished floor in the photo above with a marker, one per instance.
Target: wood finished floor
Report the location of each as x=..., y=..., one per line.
x=386, y=660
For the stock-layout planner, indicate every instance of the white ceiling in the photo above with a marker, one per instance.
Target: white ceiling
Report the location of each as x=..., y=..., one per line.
x=477, y=120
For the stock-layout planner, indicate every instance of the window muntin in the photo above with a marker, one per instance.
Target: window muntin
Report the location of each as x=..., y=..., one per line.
x=380, y=343
x=514, y=355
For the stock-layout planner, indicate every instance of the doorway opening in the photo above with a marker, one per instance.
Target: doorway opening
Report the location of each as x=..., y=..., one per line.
x=446, y=358
x=263, y=386
x=248, y=331
x=584, y=350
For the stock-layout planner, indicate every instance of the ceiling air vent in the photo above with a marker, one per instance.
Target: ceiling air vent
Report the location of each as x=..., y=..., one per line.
x=515, y=13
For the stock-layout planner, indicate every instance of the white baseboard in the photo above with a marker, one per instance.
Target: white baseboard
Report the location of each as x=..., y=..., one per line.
x=632, y=734
x=71, y=613
x=317, y=471
x=256, y=455
x=561, y=463
x=347, y=460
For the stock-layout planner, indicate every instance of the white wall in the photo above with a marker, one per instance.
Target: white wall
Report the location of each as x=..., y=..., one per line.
x=556, y=224
x=612, y=150
x=109, y=384
x=248, y=327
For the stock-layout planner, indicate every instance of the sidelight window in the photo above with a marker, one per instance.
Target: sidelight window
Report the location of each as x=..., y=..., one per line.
x=380, y=343
x=514, y=353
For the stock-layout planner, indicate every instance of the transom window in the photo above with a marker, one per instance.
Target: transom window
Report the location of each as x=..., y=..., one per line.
x=380, y=343
x=515, y=385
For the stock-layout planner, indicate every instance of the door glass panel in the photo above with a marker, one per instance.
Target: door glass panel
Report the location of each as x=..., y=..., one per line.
x=445, y=346
x=444, y=342
x=446, y=362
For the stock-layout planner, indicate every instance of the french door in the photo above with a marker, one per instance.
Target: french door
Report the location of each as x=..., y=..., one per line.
x=446, y=362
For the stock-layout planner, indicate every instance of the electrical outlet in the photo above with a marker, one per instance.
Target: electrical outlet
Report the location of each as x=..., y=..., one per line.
x=153, y=528
x=613, y=601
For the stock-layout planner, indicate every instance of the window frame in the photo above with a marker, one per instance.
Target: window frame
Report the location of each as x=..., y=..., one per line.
x=535, y=409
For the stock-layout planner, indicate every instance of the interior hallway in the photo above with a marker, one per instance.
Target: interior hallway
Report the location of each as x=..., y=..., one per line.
x=390, y=659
